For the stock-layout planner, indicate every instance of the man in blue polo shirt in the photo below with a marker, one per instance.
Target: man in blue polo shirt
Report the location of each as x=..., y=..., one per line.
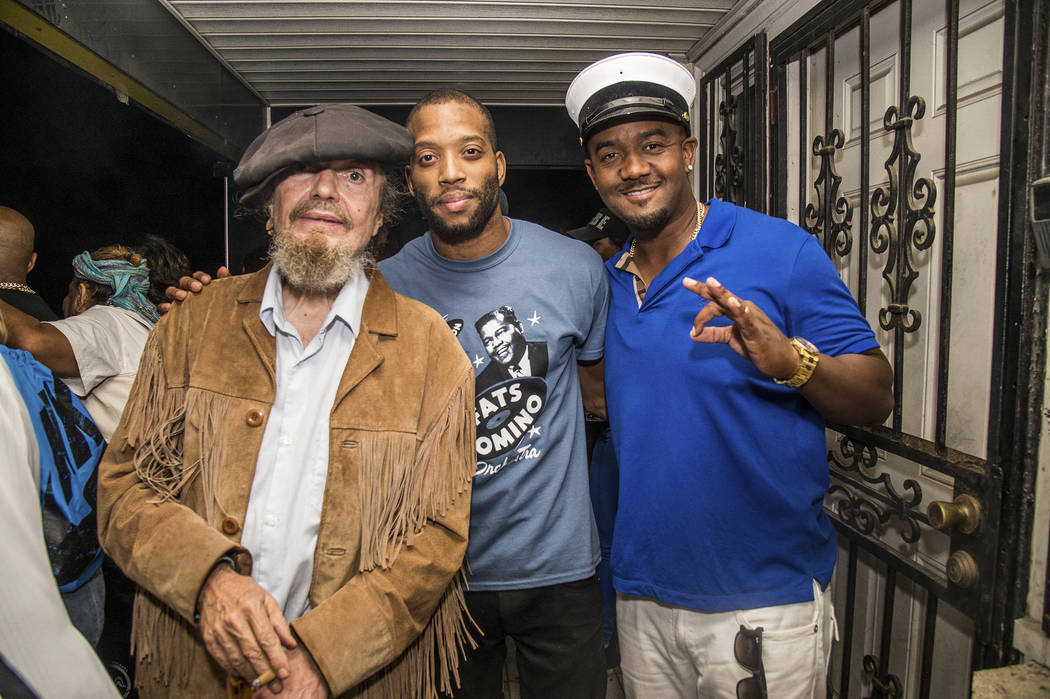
x=717, y=397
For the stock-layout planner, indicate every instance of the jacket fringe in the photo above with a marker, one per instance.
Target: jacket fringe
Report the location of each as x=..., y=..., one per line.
x=163, y=644
x=155, y=425
x=156, y=428
x=402, y=497
x=431, y=663
x=393, y=511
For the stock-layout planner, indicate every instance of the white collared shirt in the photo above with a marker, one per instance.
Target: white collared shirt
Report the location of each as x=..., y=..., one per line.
x=284, y=511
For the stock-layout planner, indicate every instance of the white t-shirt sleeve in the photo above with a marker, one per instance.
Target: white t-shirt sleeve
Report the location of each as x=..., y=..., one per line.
x=106, y=342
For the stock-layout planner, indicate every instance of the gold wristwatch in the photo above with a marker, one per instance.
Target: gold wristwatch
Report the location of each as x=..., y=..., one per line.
x=809, y=355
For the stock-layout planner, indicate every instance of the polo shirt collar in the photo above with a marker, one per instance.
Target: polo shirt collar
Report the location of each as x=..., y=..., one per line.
x=718, y=227
x=715, y=233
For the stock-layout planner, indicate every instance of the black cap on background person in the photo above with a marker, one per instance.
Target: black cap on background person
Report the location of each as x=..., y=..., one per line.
x=627, y=87
x=602, y=225
x=604, y=232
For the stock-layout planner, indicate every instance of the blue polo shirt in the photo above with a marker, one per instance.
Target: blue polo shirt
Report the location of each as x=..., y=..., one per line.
x=722, y=471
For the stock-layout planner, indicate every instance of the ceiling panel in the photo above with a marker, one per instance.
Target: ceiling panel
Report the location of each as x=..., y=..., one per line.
x=386, y=53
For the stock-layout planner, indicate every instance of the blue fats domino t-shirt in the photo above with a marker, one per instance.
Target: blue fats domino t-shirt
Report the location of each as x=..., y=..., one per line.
x=525, y=315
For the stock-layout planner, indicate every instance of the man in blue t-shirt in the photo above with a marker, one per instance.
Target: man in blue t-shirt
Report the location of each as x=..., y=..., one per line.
x=529, y=307
x=717, y=398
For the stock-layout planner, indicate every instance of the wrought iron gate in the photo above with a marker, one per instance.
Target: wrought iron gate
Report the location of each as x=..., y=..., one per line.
x=924, y=227
x=733, y=115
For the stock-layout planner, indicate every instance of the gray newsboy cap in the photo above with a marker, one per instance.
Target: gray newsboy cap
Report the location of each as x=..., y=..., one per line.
x=317, y=134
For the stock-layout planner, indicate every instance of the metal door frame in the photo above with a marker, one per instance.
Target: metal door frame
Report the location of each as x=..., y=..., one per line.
x=1022, y=320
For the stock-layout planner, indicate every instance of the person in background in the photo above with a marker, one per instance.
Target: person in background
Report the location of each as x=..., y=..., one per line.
x=96, y=348
x=606, y=234
x=42, y=653
x=718, y=396
x=166, y=265
x=69, y=446
x=17, y=259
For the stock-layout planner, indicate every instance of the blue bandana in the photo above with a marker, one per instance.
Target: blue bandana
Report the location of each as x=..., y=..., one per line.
x=129, y=283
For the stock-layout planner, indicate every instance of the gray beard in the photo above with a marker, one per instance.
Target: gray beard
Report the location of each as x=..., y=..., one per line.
x=311, y=265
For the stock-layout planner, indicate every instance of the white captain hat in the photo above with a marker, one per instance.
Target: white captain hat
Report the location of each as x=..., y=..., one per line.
x=630, y=86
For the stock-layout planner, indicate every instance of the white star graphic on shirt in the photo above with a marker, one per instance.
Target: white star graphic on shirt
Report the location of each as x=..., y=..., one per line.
x=534, y=432
x=478, y=361
x=535, y=318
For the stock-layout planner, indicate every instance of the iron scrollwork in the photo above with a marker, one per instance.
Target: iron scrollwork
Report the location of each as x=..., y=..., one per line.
x=729, y=164
x=864, y=514
x=886, y=686
x=831, y=219
x=916, y=214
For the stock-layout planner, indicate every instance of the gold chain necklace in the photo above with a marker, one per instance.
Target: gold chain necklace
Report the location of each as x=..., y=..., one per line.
x=16, y=286
x=701, y=214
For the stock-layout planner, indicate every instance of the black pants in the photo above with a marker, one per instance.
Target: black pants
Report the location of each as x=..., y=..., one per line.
x=557, y=632
x=114, y=648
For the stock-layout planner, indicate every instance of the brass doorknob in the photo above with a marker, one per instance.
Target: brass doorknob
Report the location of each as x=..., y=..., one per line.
x=963, y=514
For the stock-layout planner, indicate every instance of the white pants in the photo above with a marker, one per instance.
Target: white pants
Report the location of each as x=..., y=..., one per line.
x=669, y=652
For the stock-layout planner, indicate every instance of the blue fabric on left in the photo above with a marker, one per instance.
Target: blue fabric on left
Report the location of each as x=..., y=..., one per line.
x=70, y=447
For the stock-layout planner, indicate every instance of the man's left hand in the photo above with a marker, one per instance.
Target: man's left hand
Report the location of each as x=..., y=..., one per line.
x=752, y=334
x=304, y=680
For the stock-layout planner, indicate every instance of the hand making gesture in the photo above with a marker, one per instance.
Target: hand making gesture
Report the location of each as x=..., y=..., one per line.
x=851, y=389
x=752, y=334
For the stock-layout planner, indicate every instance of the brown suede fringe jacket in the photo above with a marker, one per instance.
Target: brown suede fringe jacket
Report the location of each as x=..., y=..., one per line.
x=387, y=616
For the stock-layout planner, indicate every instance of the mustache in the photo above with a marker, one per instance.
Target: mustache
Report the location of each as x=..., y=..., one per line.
x=637, y=184
x=303, y=208
x=476, y=193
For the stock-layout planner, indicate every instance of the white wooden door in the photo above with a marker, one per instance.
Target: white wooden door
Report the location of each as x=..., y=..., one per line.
x=891, y=158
